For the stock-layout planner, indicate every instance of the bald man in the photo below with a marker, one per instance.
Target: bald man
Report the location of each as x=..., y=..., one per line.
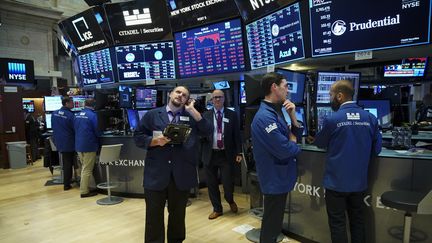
x=170, y=169
x=351, y=137
x=220, y=152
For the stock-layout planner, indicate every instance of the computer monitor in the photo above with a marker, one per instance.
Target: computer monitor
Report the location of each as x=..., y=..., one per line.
x=325, y=81
x=221, y=85
x=380, y=109
x=79, y=103
x=242, y=93
x=29, y=105
x=296, y=85
x=145, y=98
x=133, y=119
x=301, y=117
x=48, y=121
x=141, y=113
x=323, y=112
x=125, y=96
x=53, y=103
x=253, y=89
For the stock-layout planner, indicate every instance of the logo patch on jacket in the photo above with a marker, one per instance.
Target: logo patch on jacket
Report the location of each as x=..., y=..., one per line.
x=271, y=127
x=353, y=116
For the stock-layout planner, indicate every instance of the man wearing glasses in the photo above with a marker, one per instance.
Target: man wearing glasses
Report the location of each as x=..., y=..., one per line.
x=220, y=152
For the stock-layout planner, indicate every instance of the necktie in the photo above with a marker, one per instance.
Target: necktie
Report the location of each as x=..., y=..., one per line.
x=174, y=117
x=219, y=130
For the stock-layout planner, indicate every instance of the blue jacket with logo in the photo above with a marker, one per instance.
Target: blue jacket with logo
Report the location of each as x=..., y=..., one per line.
x=274, y=154
x=352, y=137
x=87, y=132
x=178, y=161
x=62, y=121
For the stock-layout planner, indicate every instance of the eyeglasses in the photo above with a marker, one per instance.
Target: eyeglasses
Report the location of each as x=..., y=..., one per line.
x=218, y=97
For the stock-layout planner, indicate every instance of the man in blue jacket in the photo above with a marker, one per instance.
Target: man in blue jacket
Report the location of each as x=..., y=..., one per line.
x=170, y=169
x=87, y=143
x=62, y=122
x=275, y=151
x=352, y=137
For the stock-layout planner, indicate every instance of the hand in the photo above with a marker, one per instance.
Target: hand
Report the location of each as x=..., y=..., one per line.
x=160, y=141
x=289, y=106
x=189, y=106
x=239, y=158
x=292, y=137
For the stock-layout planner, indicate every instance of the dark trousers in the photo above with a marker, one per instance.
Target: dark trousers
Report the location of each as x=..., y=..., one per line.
x=219, y=162
x=339, y=203
x=271, y=224
x=155, y=206
x=68, y=162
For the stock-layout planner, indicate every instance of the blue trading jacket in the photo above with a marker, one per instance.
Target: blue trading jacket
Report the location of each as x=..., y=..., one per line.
x=351, y=136
x=87, y=132
x=62, y=122
x=178, y=161
x=274, y=154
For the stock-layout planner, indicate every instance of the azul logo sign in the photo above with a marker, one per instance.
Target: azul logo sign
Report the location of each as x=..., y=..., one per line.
x=137, y=18
x=339, y=26
x=86, y=34
x=17, y=71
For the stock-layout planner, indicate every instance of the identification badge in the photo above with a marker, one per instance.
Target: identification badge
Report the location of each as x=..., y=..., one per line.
x=226, y=120
x=157, y=134
x=184, y=118
x=219, y=136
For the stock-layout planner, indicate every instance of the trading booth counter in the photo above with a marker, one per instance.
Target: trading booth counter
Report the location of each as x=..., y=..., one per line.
x=129, y=170
x=391, y=170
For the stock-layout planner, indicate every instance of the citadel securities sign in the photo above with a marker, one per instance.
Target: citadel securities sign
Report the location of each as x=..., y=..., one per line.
x=340, y=26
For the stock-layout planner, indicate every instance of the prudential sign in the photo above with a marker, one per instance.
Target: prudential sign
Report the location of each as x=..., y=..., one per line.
x=340, y=26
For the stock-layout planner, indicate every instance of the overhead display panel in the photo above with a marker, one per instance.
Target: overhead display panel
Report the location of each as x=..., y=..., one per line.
x=84, y=30
x=96, y=67
x=146, y=61
x=190, y=13
x=276, y=38
x=213, y=49
x=253, y=9
x=16, y=71
x=138, y=21
x=340, y=26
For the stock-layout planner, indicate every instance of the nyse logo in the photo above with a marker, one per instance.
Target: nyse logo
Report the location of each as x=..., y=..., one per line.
x=353, y=116
x=137, y=18
x=17, y=71
x=410, y=4
x=82, y=29
x=256, y=4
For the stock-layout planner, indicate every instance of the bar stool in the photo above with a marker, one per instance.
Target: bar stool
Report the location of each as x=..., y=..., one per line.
x=109, y=153
x=410, y=202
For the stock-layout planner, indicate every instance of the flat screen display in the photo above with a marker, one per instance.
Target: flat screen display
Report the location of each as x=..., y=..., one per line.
x=145, y=98
x=380, y=109
x=29, y=105
x=48, y=121
x=125, y=96
x=410, y=67
x=138, y=21
x=323, y=113
x=251, y=10
x=296, y=85
x=325, y=81
x=96, y=67
x=189, y=13
x=146, y=61
x=17, y=70
x=78, y=102
x=85, y=31
x=141, y=113
x=276, y=38
x=341, y=26
x=301, y=118
x=213, y=49
x=52, y=103
x=242, y=93
x=221, y=85
x=133, y=119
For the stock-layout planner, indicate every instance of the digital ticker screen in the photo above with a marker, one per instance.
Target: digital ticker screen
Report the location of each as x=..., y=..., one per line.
x=216, y=48
x=146, y=61
x=326, y=79
x=96, y=67
x=276, y=38
x=369, y=25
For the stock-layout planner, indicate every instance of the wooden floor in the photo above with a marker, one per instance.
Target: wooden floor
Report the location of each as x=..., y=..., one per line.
x=32, y=212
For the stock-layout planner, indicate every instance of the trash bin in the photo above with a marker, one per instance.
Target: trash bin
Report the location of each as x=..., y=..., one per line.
x=17, y=154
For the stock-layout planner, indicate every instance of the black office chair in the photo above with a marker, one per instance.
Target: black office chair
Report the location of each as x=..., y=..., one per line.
x=410, y=202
